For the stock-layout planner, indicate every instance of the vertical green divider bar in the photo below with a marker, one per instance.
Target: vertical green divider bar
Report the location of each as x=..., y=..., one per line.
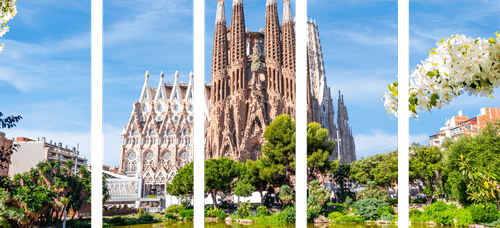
x=403, y=127
x=301, y=114
x=96, y=112
x=199, y=152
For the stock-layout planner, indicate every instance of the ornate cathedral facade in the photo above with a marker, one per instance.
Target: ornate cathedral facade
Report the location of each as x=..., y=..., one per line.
x=252, y=82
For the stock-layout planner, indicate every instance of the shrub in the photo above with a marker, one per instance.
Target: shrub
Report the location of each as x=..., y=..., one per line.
x=186, y=213
x=437, y=207
x=141, y=212
x=244, y=209
x=391, y=201
x=386, y=210
x=419, y=200
x=386, y=216
x=175, y=208
x=147, y=218
x=208, y=207
x=170, y=215
x=352, y=219
x=262, y=211
x=464, y=217
x=368, y=208
x=335, y=216
x=217, y=213
x=415, y=213
x=287, y=215
x=311, y=214
x=118, y=221
x=339, y=207
x=484, y=213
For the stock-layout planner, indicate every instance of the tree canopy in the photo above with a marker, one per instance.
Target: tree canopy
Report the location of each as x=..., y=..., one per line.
x=381, y=168
x=182, y=184
x=319, y=150
x=220, y=174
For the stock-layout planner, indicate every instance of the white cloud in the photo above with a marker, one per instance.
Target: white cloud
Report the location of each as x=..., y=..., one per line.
x=365, y=38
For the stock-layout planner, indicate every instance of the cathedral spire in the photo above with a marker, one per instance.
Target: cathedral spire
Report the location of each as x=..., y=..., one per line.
x=221, y=16
x=161, y=93
x=238, y=37
x=272, y=40
x=146, y=90
x=235, y=2
x=287, y=12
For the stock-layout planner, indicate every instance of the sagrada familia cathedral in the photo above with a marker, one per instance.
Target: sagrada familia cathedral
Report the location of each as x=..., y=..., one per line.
x=252, y=82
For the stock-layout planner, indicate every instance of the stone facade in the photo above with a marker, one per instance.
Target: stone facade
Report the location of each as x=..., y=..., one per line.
x=252, y=82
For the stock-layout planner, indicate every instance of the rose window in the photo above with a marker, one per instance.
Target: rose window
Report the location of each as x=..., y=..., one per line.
x=132, y=155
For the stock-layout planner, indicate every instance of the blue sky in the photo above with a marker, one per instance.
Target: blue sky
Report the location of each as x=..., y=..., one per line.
x=45, y=65
x=45, y=72
x=354, y=32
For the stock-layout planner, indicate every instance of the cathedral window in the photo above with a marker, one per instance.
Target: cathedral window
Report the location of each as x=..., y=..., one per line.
x=185, y=132
x=161, y=95
x=133, y=132
x=168, y=132
x=160, y=108
x=150, y=132
x=175, y=96
x=145, y=108
x=191, y=108
x=176, y=108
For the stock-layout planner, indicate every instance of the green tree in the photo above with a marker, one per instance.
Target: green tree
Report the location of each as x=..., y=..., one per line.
x=256, y=176
x=341, y=177
x=319, y=150
x=371, y=191
x=381, y=168
x=286, y=194
x=317, y=196
x=426, y=166
x=219, y=175
x=482, y=152
x=279, y=151
x=182, y=184
x=32, y=198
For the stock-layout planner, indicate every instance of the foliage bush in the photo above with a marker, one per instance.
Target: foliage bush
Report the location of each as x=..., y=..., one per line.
x=287, y=215
x=175, y=208
x=484, y=213
x=335, y=216
x=217, y=213
x=387, y=209
x=141, y=212
x=116, y=221
x=368, y=208
x=391, y=201
x=352, y=219
x=419, y=200
x=244, y=209
x=493, y=224
x=147, y=218
x=311, y=214
x=339, y=207
x=262, y=211
x=170, y=215
x=442, y=214
x=186, y=213
x=386, y=216
x=415, y=213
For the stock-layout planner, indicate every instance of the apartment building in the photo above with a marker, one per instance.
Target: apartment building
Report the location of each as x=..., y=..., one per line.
x=463, y=125
x=30, y=152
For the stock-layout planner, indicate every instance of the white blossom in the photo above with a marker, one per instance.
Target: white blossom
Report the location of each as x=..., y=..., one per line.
x=457, y=65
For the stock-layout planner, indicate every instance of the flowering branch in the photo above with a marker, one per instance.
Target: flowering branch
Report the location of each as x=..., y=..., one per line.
x=8, y=10
x=456, y=66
